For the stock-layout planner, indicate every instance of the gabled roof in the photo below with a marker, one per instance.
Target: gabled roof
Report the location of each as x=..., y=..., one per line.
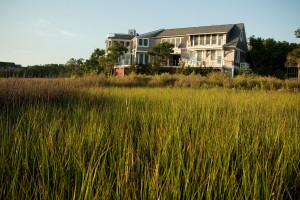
x=234, y=35
x=196, y=30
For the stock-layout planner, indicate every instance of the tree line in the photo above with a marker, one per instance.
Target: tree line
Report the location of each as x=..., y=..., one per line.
x=268, y=57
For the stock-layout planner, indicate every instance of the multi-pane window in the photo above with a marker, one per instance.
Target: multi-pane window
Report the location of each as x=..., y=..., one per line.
x=206, y=39
x=143, y=42
x=175, y=41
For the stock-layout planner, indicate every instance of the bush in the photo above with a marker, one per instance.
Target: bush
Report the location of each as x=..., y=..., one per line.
x=245, y=71
x=164, y=79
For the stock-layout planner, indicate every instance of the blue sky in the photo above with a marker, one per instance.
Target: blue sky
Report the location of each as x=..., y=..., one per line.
x=53, y=31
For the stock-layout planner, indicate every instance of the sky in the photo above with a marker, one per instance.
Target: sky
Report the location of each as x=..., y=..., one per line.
x=38, y=32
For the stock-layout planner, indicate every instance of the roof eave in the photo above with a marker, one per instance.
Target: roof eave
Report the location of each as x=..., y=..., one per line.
x=167, y=36
x=218, y=32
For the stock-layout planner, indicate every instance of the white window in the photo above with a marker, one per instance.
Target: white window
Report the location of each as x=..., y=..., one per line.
x=199, y=55
x=143, y=42
x=193, y=56
x=213, y=55
x=219, y=57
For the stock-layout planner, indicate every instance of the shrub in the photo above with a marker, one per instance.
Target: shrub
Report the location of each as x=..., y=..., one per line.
x=164, y=79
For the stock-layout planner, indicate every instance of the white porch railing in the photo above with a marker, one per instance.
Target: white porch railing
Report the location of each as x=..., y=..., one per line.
x=211, y=63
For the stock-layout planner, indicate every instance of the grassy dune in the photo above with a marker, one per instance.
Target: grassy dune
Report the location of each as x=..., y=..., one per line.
x=71, y=139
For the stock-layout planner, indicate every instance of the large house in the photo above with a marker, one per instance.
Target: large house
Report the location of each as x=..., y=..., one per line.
x=222, y=47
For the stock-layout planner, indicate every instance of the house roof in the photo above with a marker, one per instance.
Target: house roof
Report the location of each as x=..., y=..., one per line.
x=196, y=30
x=120, y=36
x=150, y=34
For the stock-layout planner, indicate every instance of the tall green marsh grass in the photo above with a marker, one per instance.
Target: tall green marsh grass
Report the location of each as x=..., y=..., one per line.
x=70, y=139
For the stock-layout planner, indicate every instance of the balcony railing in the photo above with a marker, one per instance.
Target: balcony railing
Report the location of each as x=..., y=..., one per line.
x=210, y=63
x=124, y=62
x=172, y=63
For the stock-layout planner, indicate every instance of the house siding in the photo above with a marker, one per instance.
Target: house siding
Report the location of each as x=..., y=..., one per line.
x=229, y=57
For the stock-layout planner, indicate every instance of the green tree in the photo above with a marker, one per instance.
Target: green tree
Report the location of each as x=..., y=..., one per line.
x=114, y=54
x=161, y=52
x=106, y=63
x=75, y=67
x=267, y=57
x=293, y=56
x=92, y=64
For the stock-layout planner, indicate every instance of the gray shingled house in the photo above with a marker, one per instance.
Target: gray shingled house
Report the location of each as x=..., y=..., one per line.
x=222, y=47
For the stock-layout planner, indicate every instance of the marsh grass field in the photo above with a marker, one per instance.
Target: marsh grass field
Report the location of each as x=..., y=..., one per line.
x=81, y=139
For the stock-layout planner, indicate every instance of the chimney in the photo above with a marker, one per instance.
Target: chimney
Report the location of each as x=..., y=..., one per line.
x=132, y=32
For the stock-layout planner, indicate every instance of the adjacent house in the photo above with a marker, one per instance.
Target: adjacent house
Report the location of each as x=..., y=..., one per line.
x=293, y=70
x=9, y=65
x=222, y=47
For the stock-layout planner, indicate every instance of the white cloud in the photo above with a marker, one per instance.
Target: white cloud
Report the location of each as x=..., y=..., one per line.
x=45, y=29
x=67, y=33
